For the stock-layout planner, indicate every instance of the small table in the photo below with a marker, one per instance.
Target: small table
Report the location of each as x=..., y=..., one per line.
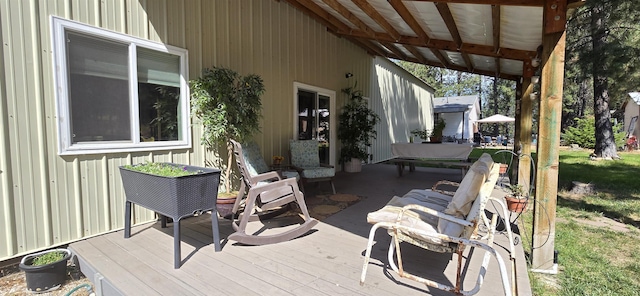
x=285, y=171
x=431, y=153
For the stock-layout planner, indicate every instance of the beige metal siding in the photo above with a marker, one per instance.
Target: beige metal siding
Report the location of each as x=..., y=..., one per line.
x=403, y=102
x=50, y=200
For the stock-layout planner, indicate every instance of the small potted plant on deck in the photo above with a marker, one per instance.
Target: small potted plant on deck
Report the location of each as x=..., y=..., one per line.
x=516, y=198
x=45, y=271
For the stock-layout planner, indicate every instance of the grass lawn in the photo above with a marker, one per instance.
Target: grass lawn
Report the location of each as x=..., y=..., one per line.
x=594, y=259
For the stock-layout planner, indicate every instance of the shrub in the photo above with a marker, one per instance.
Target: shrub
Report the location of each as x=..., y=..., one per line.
x=584, y=133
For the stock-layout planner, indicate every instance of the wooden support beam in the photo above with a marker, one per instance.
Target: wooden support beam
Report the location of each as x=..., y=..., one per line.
x=469, y=48
x=394, y=49
x=537, y=3
x=316, y=12
x=495, y=23
x=414, y=51
x=376, y=16
x=524, y=122
x=350, y=17
x=410, y=20
x=544, y=214
x=446, y=15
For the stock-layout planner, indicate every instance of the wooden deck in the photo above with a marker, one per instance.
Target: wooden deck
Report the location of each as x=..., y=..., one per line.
x=326, y=261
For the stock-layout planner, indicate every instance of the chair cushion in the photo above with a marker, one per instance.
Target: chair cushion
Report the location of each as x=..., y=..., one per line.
x=318, y=172
x=465, y=195
x=304, y=153
x=253, y=159
x=426, y=198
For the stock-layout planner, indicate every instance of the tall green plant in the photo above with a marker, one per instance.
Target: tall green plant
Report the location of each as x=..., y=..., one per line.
x=229, y=107
x=357, y=126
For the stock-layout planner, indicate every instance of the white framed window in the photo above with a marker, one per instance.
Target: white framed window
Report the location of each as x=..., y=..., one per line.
x=118, y=93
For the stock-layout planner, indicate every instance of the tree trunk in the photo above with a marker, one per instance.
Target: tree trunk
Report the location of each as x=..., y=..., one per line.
x=605, y=142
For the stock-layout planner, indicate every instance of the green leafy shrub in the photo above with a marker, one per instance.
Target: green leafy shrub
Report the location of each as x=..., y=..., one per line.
x=584, y=133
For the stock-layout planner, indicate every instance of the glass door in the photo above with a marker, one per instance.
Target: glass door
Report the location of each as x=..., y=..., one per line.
x=314, y=110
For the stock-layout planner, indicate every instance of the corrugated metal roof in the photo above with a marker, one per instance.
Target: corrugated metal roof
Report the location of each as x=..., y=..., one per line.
x=635, y=96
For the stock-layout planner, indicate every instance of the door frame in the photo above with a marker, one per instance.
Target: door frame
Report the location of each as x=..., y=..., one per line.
x=332, y=114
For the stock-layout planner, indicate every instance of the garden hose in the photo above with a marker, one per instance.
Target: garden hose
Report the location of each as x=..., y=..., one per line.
x=86, y=286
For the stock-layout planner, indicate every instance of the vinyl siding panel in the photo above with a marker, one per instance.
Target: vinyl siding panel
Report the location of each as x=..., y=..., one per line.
x=403, y=102
x=47, y=199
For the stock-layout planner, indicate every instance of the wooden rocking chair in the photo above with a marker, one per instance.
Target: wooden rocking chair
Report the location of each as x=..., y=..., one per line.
x=265, y=196
x=443, y=223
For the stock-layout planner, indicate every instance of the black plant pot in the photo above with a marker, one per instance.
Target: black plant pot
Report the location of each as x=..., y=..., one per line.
x=46, y=277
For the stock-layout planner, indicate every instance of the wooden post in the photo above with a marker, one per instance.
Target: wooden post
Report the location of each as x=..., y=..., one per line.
x=544, y=215
x=524, y=134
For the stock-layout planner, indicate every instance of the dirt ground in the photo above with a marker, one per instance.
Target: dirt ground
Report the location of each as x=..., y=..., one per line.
x=12, y=283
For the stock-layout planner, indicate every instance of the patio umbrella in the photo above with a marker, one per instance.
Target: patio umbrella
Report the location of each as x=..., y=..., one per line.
x=496, y=118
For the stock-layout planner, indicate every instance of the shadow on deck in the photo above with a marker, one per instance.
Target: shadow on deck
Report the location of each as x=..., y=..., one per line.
x=326, y=261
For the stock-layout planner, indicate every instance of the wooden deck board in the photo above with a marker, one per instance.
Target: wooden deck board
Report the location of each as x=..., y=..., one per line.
x=326, y=261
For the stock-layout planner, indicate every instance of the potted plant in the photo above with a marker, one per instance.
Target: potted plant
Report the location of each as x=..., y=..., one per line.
x=356, y=129
x=436, y=134
x=172, y=190
x=516, y=198
x=229, y=107
x=422, y=134
x=45, y=271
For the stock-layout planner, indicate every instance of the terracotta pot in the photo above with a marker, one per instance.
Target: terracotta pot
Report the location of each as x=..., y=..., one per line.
x=515, y=204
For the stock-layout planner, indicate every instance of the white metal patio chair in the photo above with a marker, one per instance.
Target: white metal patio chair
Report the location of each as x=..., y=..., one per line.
x=442, y=223
x=264, y=195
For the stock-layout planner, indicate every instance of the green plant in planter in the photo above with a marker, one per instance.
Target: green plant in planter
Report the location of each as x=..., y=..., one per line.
x=161, y=169
x=356, y=126
x=229, y=107
x=422, y=134
x=516, y=191
x=47, y=258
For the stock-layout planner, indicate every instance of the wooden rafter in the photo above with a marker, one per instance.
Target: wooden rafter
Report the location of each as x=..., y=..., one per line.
x=389, y=41
x=477, y=49
x=395, y=50
x=495, y=23
x=350, y=16
x=377, y=17
x=416, y=53
x=447, y=17
x=316, y=12
x=537, y=3
x=410, y=20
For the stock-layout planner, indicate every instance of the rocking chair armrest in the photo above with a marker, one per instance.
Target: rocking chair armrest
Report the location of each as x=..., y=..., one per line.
x=267, y=176
x=432, y=212
x=273, y=185
x=444, y=182
x=297, y=168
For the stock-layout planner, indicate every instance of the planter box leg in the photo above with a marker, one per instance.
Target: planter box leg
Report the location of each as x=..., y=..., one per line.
x=214, y=229
x=127, y=219
x=176, y=244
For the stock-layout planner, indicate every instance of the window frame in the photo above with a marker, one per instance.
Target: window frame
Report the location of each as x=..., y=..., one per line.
x=60, y=75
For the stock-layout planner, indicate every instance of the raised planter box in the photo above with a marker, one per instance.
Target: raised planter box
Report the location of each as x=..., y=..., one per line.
x=173, y=197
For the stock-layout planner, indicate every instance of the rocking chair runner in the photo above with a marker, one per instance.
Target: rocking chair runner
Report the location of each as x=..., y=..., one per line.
x=442, y=223
x=266, y=197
